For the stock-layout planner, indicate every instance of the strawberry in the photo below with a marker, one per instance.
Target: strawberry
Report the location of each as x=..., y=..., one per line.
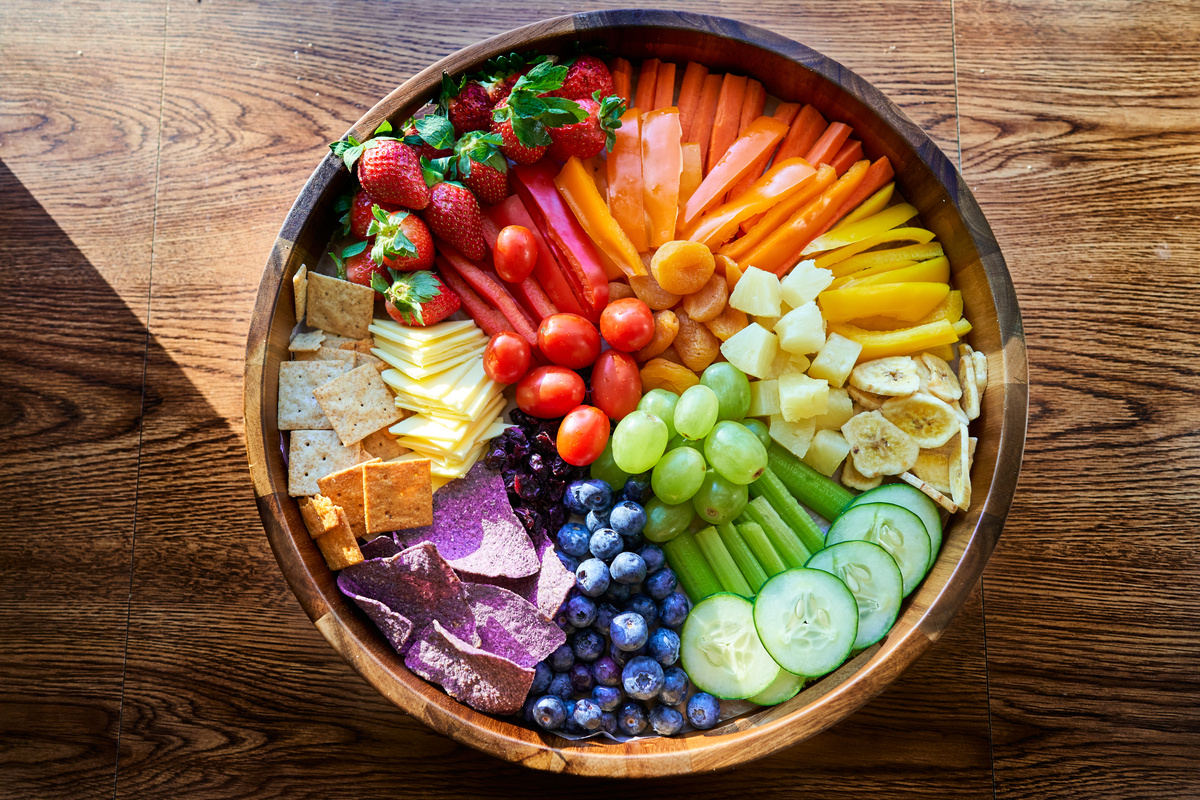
x=402, y=241
x=413, y=138
x=388, y=169
x=453, y=214
x=523, y=117
x=355, y=265
x=502, y=72
x=416, y=298
x=360, y=214
x=467, y=105
x=588, y=138
x=481, y=166
x=586, y=76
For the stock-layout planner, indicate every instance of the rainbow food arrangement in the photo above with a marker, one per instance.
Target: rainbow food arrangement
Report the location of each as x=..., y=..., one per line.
x=628, y=397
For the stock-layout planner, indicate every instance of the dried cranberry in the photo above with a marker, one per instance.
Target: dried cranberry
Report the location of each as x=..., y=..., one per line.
x=559, y=467
x=538, y=465
x=495, y=458
x=527, y=487
x=545, y=442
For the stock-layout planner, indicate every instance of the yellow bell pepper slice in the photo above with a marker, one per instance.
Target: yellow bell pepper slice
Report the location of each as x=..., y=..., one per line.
x=869, y=207
x=828, y=260
x=845, y=280
x=935, y=270
x=904, y=301
x=864, y=264
x=781, y=181
x=943, y=351
x=880, y=344
x=578, y=188
x=863, y=229
x=950, y=310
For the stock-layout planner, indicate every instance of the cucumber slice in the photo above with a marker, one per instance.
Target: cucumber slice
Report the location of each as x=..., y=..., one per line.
x=783, y=688
x=872, y=576
x=807, y=619
x=905, y=496
x=895, y=529
x=720, y=650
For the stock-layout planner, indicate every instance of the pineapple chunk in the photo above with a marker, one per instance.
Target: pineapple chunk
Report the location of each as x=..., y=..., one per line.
x=826, y=452
x=787, y=362
x=837, y=413
x=770, y=322
x=836, y=360
x=764, y=398
x=804, y=283
x=802, y=397
x=752, y=349
x=795, y=436
x=757, y=293
x=802, y=330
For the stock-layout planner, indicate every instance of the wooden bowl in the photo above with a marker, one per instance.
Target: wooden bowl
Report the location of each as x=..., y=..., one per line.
x=790, y=71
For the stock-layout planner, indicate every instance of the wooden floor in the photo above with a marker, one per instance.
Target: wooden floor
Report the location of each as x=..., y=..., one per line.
x=149, y=646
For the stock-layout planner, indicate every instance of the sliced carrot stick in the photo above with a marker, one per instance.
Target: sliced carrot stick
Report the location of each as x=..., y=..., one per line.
x=785, y=113
x=664, y=86
x=622, y=73
x=689, y=96
x=827, y=146
x=706, y=109
x=779, y=214
x=725, y=123
x=625, y=186
x=763, y=134
x=752, y=104
x=803, y=134
x=878, y=175
x=693, y=172
x=851, y=152
x=647, y=80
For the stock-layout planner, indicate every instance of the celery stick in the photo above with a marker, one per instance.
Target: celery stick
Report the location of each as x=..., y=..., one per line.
x=794, y=516
x=723, y=565
x=752, y=571
x=693, y=572
x=783, y=539
x=823, y=495
x=756, y=538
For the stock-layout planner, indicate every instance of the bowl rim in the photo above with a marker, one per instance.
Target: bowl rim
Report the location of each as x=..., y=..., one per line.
x=747, y=737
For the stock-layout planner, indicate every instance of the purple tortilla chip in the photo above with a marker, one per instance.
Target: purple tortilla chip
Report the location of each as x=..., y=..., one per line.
x=418, y=584
x=511, y=626
x=547, y=590
x=381, y=547
x=475, y=529
x=397, y=628
x=484, y=681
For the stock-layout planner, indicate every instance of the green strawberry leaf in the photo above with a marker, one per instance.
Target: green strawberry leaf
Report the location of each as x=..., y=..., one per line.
x=348, y=150
x=409, y=290
x=436, y=130
x=435, y=171
x=342, y=208
x=352, y=250
x=544, y=77
x=530, y=132
x=567, y=109
x=611, y=109
x=390, y=240
x=384, y=127
x=450, y=88
x=526, y=104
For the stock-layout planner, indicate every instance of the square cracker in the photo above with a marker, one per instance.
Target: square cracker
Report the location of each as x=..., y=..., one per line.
x=306, y=342
x=339, y=546
x=327, y=353
x=300, y=291
x=357, y=345
x=357, y=403
x=298, y=408
x=397, y=495
x=313, y=455
x=320, y=515
x=366, y=358
x=345, y=489
x=383, y=445
x=340, y=307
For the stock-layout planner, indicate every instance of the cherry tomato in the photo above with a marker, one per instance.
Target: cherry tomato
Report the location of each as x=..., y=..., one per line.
x=549, y=392
x=568, y=340
x=515, y=253
x=616, y=383
x=506, y=357
x=582, y=435
x=627, y=324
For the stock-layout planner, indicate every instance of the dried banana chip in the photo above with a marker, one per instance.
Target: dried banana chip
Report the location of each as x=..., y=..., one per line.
x=958, y=412
x=966, y=377
x=981, y=370
x=893, y=376
x=937, y=378
x=868, y=400
x=931, y=492
x=960, y=469
x=856, y=480
x=878, y=447
x=933, y=467
x=929, y=421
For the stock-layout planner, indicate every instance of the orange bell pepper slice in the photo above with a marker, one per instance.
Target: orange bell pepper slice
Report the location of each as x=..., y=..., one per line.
x=693, y=171
x=779, y=214
x=783, y=179
x=662, y=166
x=579, y=190
x=762, y=134
x=625, y=180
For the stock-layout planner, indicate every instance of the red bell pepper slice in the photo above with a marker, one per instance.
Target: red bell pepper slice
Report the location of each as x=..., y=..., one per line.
x=450, y=260
x=489, y=320
x=547, y=271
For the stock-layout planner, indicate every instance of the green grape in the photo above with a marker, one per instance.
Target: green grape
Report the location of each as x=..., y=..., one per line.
x=718, y=500
x=605, y=468
x=678, y=475
x=696, y=412
x=681, y=441
x=638, y=442
x=664, y=522
x=735, y=452
x=661, y=404
x=759, y=429
x=732, y=389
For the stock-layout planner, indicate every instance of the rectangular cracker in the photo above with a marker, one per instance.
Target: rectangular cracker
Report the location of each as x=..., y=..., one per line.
x=320, y=515
x=308, y=342
x=327, y=353
x=357, y=403
x=298, y=409
x=340, y=307
x=397, y=495
x=300, y=291
x=357, y=345
x=339, y=546
x=314, y=454
x=366, y=358
x=345, y=488
x=383, y=446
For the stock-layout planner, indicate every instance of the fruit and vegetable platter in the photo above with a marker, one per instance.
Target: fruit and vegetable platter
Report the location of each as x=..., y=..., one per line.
x=628, y=397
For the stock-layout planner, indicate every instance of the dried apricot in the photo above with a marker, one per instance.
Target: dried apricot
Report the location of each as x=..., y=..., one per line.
x=727, y=323
x=662, y=374
x=696, y=345
x=672, y=355
x=649, y=292
x=709, y=302
x=619, y=290
x=682, y=266
x=732, y=271
x=666, y=326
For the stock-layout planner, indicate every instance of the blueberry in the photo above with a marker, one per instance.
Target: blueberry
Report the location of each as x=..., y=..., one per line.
x=595, y=521
x=637, y=488
x=703, y=710
x=550, y=712
x=581, y=611
x=607, y=697
x=622, y=657
x=595, y=494
x=572, y=539
x=618, y=593
x=571, y=726
x=604, y=617
x=592, y=577
x=673, y=610
x=661, y=583
x=560, y=686
x=587, y=645
x=541, y=679
x=641, y=604
x=562, y=658
x=653, y=555
x=632, y=543
x=665, y=720
x=570, y=562
x=627, y=518
x=526, y=712
x=663, y=646
x=642, y=678
x=629, y=631
x=587, y=714
x=628, y=568
x=606, y=543
x=631, y=718
x=606, y=671
x=581, y=678
x=573, y=498
x=675, y=686
x=608, y=723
